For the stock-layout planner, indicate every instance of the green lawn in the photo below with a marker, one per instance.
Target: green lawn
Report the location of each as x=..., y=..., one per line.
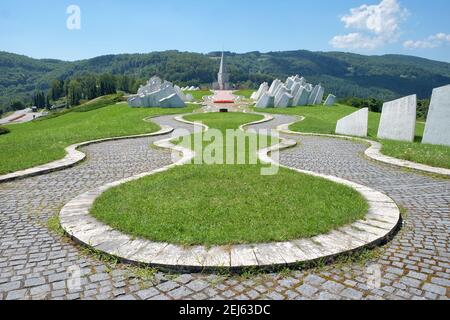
x=228, y=204
x=38, y=142
x=324, y=119
x=222, y=122
x=244, y=93
x=199, y=94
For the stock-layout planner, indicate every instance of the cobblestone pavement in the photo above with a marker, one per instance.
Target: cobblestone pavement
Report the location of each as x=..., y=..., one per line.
x=34, y=261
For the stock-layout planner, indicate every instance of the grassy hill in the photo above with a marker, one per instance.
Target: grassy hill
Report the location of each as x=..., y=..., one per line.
x=383, y=77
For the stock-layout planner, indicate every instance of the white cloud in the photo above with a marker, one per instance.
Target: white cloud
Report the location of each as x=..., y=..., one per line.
x=431, y=42
x=376, y=25
x=356, y=41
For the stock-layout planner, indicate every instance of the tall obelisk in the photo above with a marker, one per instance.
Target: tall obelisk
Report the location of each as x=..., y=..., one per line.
x=223, y=77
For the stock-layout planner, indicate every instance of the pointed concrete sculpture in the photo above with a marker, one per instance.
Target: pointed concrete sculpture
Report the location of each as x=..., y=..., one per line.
x=331, y=99
x=398, y=119
x=172, y=101
x=180, y=93
x=282, y=90
x=155, y=91
x=299, y=92
x=290, y=82
x=189, y=97
x=275, y=84
x=284, y=101
x=266, y=101
x=301, y=98
x=313, y=95
x=319, y=96
x=263, y=88
x=355, y=124
x=437, y=128
x=295, y=88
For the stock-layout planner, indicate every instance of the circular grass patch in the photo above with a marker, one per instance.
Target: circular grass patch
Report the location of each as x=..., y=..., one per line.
x=222, y=205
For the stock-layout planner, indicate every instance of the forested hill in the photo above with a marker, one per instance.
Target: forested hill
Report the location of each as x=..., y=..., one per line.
x=383, y=77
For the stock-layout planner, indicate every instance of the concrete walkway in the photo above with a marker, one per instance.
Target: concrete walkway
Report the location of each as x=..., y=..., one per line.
x=20, y=116
x=34, y=261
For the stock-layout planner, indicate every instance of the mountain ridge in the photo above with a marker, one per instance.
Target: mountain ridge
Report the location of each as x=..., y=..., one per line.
x=345, y=74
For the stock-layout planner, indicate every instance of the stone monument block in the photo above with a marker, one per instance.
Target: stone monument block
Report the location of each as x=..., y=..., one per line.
x=284, y=101
x=313, y=95
x=189, y=97
x=301, y=98
x=274, y=86
x=398, y=119
x=172, y=101
x=319, y=96
x=266, y=101
x=282, y=90
x=355, y=124
x=331, y=99
x=263, y=88
x=295, y=88
x=437, y=128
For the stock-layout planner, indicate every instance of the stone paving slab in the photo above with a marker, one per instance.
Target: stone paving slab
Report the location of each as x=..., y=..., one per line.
x=73, y=156
x=419, y=251
x=373, y=152
x=194, y=259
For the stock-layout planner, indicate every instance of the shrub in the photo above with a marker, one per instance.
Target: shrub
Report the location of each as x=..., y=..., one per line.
x=4, y=130
x=99, y=103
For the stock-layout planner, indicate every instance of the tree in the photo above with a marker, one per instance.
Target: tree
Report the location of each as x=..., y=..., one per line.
x=39, y=99
x=107, y=84
x=89, y=86
x=422, y=108
x=74, y=93
x=57, y=89
x=124, y=83
x=47, y=101
x=17, y=105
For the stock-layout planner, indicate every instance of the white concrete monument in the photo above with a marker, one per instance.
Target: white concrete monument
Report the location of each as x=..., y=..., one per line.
x=301, y=98
x=331, y=99
x=274, y=86
x=284, y=101
x=398, y=119
x=437, y=128
x=172, y=101
x=266, y=101
x=157, y=93
x=355, y=124
x=295, y=88
x=319, y=96
x=263, y=88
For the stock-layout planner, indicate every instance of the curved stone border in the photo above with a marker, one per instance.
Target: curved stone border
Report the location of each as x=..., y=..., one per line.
x=267, y=118
x=373, y=152
x=74, y=156
x=379, y=224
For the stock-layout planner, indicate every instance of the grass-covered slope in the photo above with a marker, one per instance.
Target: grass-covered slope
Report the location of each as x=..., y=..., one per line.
x=38, y=142
x=228, y=204
x=244, y=93
x=199, y=94
x=324, y=119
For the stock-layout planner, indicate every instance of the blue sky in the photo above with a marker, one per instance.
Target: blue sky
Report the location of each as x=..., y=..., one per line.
x=39, y=28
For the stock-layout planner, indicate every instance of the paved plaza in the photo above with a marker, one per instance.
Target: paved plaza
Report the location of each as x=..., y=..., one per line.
x=34, y=260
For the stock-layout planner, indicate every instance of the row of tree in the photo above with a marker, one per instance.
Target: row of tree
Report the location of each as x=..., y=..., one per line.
x=86, y=87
